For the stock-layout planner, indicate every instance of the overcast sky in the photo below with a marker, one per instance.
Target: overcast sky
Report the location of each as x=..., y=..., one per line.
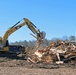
x=56, y=17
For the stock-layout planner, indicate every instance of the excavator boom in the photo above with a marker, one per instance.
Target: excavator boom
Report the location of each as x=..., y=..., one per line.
x=37, y=34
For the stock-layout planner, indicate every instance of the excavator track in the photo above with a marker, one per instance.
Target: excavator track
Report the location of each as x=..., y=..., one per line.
x=13, y=55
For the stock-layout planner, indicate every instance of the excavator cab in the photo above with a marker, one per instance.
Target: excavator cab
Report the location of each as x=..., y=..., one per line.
x=2, y=47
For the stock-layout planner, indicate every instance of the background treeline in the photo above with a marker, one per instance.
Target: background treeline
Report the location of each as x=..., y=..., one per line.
x=46, y=42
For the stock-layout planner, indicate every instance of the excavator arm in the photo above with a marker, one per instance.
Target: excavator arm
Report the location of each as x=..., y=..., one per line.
x=30, y=25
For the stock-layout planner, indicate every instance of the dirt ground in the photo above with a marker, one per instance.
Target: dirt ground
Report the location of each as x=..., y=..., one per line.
x=20, y=66
x=26, y=71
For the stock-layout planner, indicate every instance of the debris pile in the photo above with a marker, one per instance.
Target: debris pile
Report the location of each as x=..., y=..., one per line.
x=58, y=52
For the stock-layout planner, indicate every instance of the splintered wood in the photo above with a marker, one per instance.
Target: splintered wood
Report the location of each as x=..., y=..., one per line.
x=58, y=52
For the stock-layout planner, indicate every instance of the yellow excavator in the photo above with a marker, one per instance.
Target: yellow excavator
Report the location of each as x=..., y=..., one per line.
x=4, y=44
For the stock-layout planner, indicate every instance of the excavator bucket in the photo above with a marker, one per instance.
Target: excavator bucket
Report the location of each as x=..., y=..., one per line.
x=43, y=35
x=40, y=38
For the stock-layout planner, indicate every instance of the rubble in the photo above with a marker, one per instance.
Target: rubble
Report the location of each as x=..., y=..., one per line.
x=58, y=52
